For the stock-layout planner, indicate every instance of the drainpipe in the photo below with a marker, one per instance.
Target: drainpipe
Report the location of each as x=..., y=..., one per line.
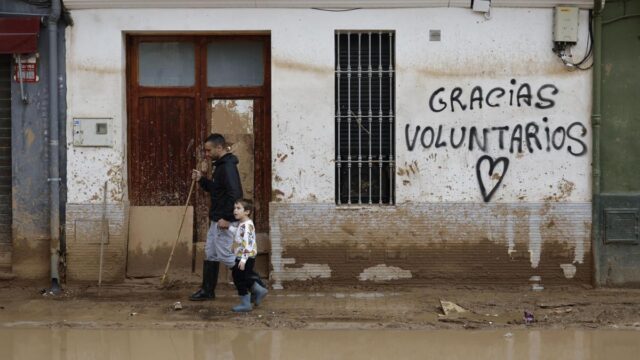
x=595, y=128
x=54, y=171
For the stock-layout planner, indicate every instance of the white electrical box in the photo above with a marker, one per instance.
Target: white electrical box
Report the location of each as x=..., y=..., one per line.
x=96, y=132
x=483, y=6
x=565, y=24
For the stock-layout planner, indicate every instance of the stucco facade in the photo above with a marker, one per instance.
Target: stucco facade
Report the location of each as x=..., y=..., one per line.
x=494, y=76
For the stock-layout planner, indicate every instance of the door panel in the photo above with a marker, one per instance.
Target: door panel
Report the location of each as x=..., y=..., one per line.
x=234, y=119
x=162, y=142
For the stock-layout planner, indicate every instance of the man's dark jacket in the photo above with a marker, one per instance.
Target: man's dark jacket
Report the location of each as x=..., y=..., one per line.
x=225, y=188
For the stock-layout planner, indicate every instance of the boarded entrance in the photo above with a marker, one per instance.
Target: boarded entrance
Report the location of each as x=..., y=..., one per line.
x=617, y=237
x=181, y=89
x=5, y=163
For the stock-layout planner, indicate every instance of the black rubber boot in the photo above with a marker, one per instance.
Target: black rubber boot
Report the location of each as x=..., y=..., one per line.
x=256, y=277
x=209, y=282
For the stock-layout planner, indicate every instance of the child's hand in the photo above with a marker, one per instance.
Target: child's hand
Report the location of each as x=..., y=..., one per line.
x=241, y=264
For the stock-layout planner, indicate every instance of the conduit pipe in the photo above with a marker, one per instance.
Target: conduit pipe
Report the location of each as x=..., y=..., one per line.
x=595, y=128
x=54, y=154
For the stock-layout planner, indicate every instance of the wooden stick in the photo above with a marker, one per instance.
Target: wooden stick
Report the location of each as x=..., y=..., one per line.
x=186, y=207
x=102, y=233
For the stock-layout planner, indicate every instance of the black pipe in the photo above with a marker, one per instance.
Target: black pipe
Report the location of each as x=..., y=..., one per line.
x=54, y=156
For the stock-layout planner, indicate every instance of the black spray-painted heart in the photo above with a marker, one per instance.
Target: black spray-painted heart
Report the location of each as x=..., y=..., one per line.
x=492, y=165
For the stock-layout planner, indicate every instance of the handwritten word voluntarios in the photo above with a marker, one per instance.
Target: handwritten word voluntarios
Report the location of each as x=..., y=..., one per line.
x=531, y=136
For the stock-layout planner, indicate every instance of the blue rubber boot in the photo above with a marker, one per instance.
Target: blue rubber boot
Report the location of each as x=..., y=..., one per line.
x=245, y=304
x=258, y=292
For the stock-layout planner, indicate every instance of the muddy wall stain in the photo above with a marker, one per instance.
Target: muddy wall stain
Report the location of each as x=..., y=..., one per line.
x=432, y=243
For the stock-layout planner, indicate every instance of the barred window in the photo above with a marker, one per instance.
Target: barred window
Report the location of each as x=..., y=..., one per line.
x=365, y=117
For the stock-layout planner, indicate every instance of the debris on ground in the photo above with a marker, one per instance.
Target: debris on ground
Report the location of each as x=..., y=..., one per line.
x=177, y=306
x=449, y=307
x=528, y=317
x=555, y=305
x=563, y=310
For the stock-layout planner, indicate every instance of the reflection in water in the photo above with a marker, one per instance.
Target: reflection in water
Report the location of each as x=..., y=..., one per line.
x=316, y=344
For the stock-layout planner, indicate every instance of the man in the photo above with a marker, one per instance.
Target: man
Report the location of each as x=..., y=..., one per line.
x=225, y=189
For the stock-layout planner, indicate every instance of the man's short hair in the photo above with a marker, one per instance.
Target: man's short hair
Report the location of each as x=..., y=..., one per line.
x=216, y=139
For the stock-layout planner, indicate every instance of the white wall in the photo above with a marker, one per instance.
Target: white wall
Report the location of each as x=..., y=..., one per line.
x=514, y=44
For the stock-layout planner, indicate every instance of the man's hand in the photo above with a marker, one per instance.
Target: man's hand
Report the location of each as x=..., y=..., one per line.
x=196, y=175
x=223, y=224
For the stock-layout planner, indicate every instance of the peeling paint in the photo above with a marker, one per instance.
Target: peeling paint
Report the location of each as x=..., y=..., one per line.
x=581, y=234
x=383, y=272
x=569, y=270
x=307, y=272
x=535, y=239
x=510, y=235
x=29, y=136
x=349, y=228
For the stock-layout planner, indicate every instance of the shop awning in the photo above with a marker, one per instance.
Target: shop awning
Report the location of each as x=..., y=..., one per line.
x=19, y=35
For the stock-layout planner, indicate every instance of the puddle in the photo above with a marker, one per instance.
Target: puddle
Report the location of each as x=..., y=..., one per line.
x=22, y=344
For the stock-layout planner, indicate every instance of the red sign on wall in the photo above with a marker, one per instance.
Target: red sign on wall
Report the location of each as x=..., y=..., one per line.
x=29, y=73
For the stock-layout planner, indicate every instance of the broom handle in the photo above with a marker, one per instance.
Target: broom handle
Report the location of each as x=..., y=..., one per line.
x=102, y=232
x=186, y=206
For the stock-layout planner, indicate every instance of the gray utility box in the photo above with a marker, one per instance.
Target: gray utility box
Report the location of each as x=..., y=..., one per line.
x=565, y=24
x=97, y=132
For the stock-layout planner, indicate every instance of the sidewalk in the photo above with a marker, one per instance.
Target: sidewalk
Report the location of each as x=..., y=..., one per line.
x=142, y=304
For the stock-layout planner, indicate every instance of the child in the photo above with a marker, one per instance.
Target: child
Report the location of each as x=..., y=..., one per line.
x=246, y=251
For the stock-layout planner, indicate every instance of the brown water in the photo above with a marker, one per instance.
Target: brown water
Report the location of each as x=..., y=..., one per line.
x=317, y=344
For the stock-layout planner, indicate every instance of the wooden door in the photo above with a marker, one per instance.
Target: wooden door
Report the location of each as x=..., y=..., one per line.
x=162, y=151
x=171, y=112
x=163, y=118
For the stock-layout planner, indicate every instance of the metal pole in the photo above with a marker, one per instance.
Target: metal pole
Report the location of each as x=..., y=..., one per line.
x=103, y=234
x=595, y=126
x=391, y=118
x=380, y=117
x=339, y=120
x=54, y=171
x=370, y=115
x=359, y=119
x=349, y=114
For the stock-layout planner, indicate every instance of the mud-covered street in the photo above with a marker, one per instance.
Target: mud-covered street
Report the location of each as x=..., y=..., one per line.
x=139, y=319
x=143, y=304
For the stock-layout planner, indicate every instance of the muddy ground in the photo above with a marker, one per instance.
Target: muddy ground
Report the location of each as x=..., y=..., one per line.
x=143, y=304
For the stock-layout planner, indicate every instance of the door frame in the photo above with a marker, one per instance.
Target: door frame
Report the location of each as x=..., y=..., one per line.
x=201, y=93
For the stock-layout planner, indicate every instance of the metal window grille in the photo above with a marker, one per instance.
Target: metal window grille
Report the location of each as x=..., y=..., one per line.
x=365, y=117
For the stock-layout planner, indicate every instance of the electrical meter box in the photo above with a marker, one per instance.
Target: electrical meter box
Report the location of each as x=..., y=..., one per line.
x=565, y=24
x=95, y=132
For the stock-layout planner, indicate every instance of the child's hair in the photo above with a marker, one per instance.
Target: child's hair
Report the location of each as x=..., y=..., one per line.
x=246, y=204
